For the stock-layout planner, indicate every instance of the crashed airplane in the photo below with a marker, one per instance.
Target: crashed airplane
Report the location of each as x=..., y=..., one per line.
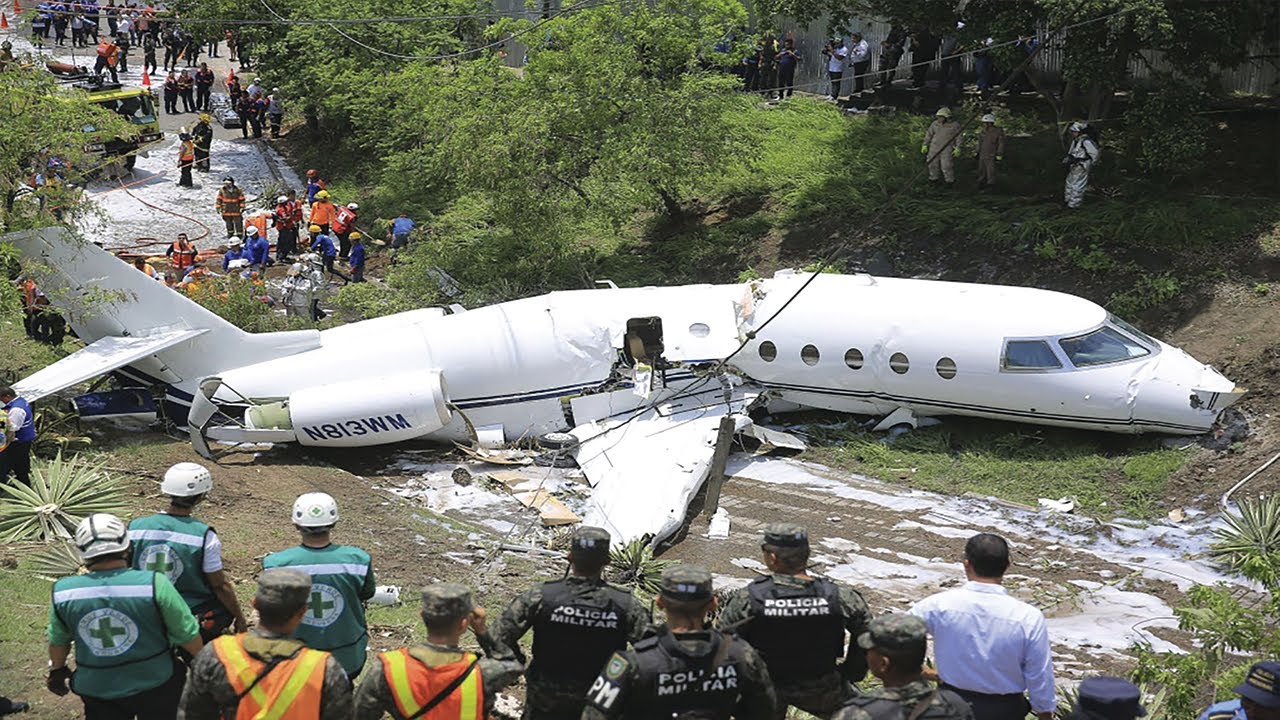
x=634, y=375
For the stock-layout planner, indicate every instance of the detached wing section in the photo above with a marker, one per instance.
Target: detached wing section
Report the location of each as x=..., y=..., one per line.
x=97, y=358
x=646, y=468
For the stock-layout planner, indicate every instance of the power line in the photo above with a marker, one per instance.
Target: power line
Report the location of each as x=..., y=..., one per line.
x=174, y=17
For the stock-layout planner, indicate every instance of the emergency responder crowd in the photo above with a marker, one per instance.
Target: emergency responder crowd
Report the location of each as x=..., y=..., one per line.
x=148, y=627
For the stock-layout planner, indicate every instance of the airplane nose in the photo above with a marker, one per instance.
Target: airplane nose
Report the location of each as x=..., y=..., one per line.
x=1182, y=395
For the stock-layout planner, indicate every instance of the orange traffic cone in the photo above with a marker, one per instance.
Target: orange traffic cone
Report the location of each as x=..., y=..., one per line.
x=146, y=79
x=17, y=7
x=4, y=21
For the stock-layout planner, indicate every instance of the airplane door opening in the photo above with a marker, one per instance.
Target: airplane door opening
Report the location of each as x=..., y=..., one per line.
x=644, y=342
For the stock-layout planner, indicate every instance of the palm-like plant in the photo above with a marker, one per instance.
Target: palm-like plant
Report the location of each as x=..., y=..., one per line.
x=55, y=560
x=633, y=565
x=1249, y=543
x=61, y=494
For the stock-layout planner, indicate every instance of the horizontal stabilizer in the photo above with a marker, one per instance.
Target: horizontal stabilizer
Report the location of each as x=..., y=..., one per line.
x=98, y=358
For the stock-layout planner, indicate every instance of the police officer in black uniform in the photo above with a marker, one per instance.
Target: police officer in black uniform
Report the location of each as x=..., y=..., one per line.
x=687, y=669
x=797, y=623
x=577, y=623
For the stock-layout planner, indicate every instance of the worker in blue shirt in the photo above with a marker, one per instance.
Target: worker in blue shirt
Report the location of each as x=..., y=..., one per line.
x=322, y=243
x=234, y=252
x=357, y=256
x=1259, y=696
x=400, y=229
x=257, y=249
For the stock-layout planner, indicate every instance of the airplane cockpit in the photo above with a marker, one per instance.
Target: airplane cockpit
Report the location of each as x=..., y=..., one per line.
x=1115, y=341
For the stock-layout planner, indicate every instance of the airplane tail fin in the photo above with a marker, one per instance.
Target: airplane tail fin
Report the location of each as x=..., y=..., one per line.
x=104, y=297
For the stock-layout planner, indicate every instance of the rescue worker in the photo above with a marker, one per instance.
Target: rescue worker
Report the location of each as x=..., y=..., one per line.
x=990, y=150
x=260, y=672
x=234, y=253
x=357, y=256
x=186, y=159
x=256, y=248
x=149, y=58
x=896, y=645
x=6, y=55
x=230, y=204
x=186, y=86
x=123, y=623
x=182, y=255
x=39, y=319
x=202, y=137
x=1107, y=698
x=941, y=146
x=344, y=221
x=146, y=268
x=275, y=112
x=399, y=231
x=297, y=293
x=122, y=42
x=188, y=551
x=577, y=623
x=314, y=185
x=283, y=219
x=204, y=86
x=797, y=623
x=1259, y=696
x=322, y=211
x=19, y=432
x=1081, y=155
x=320, y=287
x=438, y=679
x=108, y=57
x=322, y=243
x=342, y=582
x=686, y=669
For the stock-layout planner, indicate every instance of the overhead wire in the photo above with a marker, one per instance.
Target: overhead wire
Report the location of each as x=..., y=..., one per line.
x=174, y=17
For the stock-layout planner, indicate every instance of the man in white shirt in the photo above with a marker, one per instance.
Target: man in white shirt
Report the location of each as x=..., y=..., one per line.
x=860, y=59
x=837, y=55
x=990, y=648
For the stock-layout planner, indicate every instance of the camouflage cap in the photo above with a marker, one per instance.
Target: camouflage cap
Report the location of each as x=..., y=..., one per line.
x=786, y=535
x=446, y=601
x=894, y=631
x=686, y=582
x=590, y=540
x=283, y=588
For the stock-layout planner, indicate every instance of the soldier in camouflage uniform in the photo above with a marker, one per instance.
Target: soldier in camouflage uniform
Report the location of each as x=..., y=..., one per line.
x=896, y=645
x=797, y=623
x=687, y=669
x=281, y=600
x=439, y=675
x=577, y=623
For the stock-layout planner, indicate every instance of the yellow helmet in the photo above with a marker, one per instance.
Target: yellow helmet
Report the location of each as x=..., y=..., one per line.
x=322, y=195
x=355, y=235
x=204, y=117
x=314, y=228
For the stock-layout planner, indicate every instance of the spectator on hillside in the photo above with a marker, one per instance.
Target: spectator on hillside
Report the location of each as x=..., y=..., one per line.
x=787, y=58
x=860, y=60
x=891, y=51
x=983, y=65
x=767, y=72
x=924, y=50
x=952, y=80
x=837, y=55
x=990, y=648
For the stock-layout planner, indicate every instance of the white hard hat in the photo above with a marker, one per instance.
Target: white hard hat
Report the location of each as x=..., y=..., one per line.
x=1077, y=126
x=101, y=534
x=315, y=510
x=353, y=206
x=295, y=269
x=233, y=241
x=186, y=479
x=253, y=230
x=989, y=118
x=282, y=198
x=275, y=90
x=943, y=112
x=257, y=80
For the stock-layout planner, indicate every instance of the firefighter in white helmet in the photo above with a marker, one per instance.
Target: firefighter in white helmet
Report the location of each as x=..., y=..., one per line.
x=1081, y=156
x=941, y=145
x=123, y=623
x=188, y=551
x=341, y=583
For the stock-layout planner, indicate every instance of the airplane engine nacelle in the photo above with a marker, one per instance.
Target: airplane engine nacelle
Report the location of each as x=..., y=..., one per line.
x=369, y=411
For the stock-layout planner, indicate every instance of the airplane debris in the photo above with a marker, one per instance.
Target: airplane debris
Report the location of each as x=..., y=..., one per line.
x=719, y=527
x=1061, y=505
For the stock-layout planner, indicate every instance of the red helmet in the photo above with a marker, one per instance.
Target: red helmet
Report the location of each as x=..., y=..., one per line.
x=312, y=173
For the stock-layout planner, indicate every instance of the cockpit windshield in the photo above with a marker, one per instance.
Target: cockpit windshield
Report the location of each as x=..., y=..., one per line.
x=1102, y=346
x=1133, y=331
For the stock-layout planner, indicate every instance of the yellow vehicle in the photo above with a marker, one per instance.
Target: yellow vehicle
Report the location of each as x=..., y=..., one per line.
x=137, y=105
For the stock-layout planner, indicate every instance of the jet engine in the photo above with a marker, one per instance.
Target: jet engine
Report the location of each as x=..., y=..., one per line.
x=368, y=411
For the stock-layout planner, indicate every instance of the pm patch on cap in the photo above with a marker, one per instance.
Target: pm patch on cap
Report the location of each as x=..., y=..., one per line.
x=447, y=601
x=1112, y=698
x=786, y=535
x=588, y=539
x=894, y=632
x=1262, y=684
x=283, y=587
x=686, y=582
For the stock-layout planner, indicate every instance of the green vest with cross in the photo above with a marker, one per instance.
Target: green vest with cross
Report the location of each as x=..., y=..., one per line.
x=119, y=636
x=341, y=582
x=174, y=547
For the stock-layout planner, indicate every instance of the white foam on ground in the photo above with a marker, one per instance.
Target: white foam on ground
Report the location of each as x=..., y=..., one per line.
x=440, y=493
x=1108, y=619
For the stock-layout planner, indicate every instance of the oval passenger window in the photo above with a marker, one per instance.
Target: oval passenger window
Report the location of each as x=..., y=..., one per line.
x=899, y=363
x=809, y=354
x=699, y=330
x=853, y=358
x=768, y=351
x=946, y=368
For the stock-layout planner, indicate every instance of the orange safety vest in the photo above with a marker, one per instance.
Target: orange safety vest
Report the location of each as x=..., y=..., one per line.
x=290, y=691
x=413, y=685
x=104, y=49
x=343, y=220
x=259, y=220
x=183, y=257
x=30, y=295
x=187, y=153
x=322, y=213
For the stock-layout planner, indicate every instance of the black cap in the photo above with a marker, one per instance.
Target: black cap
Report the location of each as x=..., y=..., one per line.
x=786, y=535
x=590, y=540
x=686, y=582
x=1112, y=698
